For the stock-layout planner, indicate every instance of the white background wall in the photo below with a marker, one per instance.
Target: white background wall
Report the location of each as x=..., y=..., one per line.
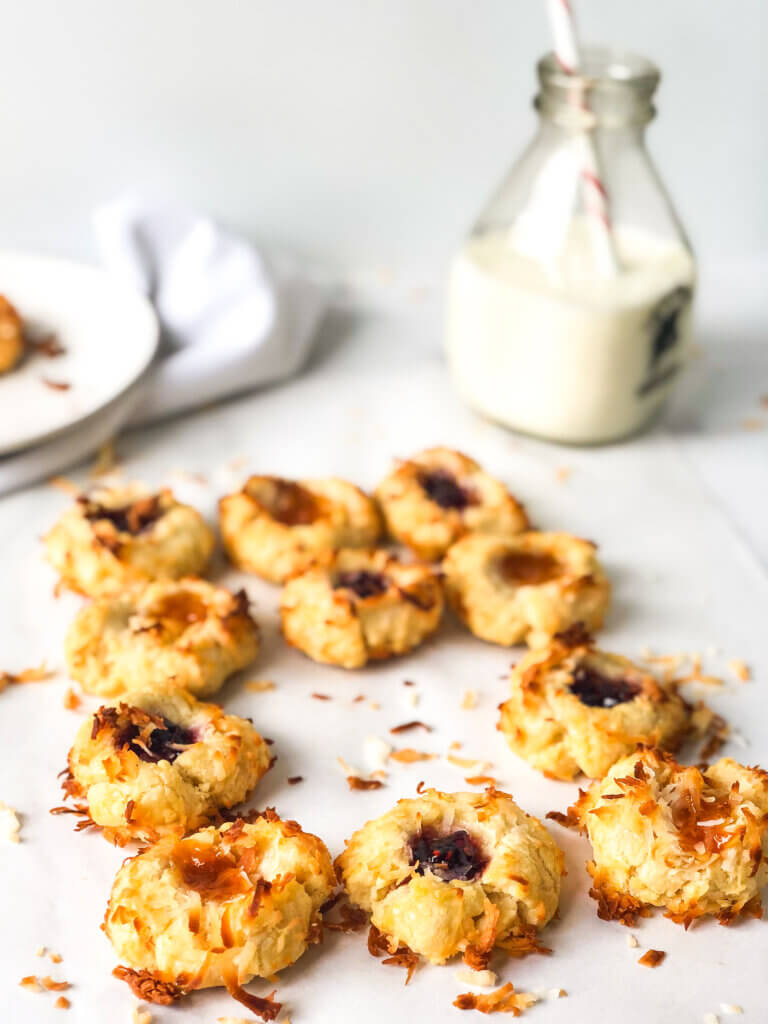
x=356, y=131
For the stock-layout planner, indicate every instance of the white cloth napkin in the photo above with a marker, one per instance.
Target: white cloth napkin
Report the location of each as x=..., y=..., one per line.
x=230, y=322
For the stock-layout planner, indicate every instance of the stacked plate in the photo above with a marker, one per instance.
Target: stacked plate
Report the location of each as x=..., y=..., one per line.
x=95, y=339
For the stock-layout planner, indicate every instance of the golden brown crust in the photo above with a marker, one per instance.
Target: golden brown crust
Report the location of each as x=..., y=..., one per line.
x=432, y=499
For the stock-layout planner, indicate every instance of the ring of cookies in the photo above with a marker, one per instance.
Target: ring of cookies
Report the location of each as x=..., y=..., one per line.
x=215, y=899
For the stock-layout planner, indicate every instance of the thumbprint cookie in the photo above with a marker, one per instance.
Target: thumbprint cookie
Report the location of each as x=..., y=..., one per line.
x=448, y=873
x=163, y=765
x=11, y=336
x=434, y=498
x=691, y=840
x=186, y=633
x=276, y=528
x=220, y=907
x=361, y=606
x=525, y=588
x=575, y=709
x=117, y=536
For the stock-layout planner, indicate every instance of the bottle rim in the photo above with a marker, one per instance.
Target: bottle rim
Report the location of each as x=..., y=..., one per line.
x=602, y=66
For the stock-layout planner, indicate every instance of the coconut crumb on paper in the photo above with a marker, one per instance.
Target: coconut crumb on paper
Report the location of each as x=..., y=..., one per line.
x=260, y=685
x=407, y=755
x=710, y=1018
x=376, y=752
x=632, y=942
x=503, y=1000
x=484, y=979
x=27, y=675
x=469, y=700
x=141, y=1015
x=739, y=668
x=10, y=826
x=730, y=1009
x=72, y=700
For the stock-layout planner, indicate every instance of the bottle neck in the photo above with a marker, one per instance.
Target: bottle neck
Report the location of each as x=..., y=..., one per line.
x=613, y=92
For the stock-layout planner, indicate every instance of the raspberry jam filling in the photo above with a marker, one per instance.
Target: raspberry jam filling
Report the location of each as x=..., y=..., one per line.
x=443, y=488
x=183, y=606
x=452, y=857
x=161, y=744
x=133, y=518
x=291, y=504
x=529, y=567
x=599, y=691
x=362, y=583
x=209, y=870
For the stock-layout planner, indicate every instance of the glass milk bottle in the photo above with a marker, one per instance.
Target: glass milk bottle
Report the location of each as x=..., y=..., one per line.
x=541, y=335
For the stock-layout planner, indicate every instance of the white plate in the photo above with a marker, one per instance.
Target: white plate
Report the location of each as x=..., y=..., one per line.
x=109, y=332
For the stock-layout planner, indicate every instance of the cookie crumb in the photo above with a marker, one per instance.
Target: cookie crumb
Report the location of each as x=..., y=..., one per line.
x=503, y=1000
x=10, y=826
x=469, y=700
x=652, y=957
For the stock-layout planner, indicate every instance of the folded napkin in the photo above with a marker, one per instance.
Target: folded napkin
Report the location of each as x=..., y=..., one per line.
x=230, y=322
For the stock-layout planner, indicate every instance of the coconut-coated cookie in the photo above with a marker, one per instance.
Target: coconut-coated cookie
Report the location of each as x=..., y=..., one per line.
x=11, y=336
x=276, y=528
x=163, y=765
x=122, y=535
x=187, y=633
x=526, y=588
x=219, y=907
x=669, y=835
x=577, y=709
x=448, y=873
x=360, y=606
x=438, y=496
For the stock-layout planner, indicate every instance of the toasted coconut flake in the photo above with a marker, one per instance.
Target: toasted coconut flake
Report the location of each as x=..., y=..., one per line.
x=146, y=986
x=141, y=1015
x=106, y=460
x=502, y=1000
x=483, y=979
x=351, y=919
x=345, y=767
x=408, y=726
x=63, y=483
x=518, y=946
x=469, y=700
x=403, y=958
x=412, y=698
x=355, y=782
x=740, y=669
x=321, y=696
x=31, y=983
x=260, y=685
x=710, y=1018
x=55, y=958
x=730, y=1009
x=652, y=957
x=294, y=780
x=53, y=986
x=632, y=942
x=62, y=1003
x=40, y=951
x=481, y=780
x=27, y=675
x=407, y=755
x=72, y=700
x=10, y=826
x=471, y=765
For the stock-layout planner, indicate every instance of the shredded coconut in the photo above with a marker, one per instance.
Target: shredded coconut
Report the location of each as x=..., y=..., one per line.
x=740, y=669
x=632, y=942
x=710, y=1018
x=141, y=1016
x=730, y=1009
x=469, y=700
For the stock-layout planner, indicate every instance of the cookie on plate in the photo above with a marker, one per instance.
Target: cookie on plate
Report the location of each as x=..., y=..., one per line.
x=360, y=606
x=434, y=498
x=163, y=765
x=574, y=709
x=669, y=835
x=220, y=907
x=525, y=589
x=449, y=873
x=276, y=528
x=122, y=535
x=11, y=336
x=187, y=633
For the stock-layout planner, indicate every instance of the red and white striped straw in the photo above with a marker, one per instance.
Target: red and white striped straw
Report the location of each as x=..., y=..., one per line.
x=596, y=199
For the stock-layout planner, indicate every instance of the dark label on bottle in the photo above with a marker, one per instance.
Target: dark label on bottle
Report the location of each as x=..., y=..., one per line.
x=663, y=339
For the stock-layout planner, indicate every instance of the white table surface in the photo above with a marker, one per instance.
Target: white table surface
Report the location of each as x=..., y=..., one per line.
x=680, y=518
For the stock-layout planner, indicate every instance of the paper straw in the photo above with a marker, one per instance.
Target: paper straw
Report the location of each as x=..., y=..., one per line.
x=595, y=194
